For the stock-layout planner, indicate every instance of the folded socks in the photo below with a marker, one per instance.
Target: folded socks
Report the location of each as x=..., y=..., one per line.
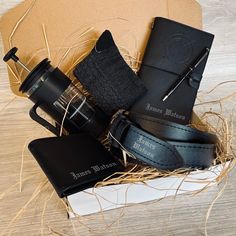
x=108, y=78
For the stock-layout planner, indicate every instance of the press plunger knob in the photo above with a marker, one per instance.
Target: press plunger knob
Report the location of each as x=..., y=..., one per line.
x=12, y=55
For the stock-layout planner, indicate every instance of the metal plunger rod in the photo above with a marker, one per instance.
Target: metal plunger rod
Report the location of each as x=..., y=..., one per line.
x=23, y=66
x=12, y=55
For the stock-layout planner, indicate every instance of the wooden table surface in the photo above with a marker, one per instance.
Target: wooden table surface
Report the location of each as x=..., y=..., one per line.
x=34, y=212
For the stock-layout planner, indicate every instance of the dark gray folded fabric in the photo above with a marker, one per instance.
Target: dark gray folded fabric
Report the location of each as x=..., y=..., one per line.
x=108, y=78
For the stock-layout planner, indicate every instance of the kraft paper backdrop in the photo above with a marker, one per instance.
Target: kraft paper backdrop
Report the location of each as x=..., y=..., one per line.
x=78, y=22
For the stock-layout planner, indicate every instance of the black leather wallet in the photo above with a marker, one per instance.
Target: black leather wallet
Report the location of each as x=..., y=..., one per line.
x=73, y=163
x=171, y=50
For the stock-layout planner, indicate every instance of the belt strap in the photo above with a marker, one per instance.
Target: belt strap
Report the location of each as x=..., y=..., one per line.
x=163, y=144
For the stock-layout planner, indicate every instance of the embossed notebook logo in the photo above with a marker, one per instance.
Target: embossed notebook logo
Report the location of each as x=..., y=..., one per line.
x=166, y=112
x=154, y=109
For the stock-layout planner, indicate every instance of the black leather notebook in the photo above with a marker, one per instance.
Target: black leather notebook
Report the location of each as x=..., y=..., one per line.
x=73, y=163
x=172, y=48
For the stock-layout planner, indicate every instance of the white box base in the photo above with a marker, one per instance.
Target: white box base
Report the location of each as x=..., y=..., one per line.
x=94, y=200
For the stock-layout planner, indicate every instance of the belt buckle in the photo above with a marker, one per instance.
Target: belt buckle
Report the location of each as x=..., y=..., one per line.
x=120, y=114
x=117, y=118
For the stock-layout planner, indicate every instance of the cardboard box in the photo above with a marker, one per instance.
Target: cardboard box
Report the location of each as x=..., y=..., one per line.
x=72, y=22
x=64, y=31
x=98, y=200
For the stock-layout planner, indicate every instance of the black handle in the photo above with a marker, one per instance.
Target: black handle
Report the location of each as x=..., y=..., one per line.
x=11, y=55
x=34, y=116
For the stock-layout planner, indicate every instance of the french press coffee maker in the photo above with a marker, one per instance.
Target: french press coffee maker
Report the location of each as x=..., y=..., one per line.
x=51, y=90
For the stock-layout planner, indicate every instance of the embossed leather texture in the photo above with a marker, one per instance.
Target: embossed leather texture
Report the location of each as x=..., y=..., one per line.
x=108, y=78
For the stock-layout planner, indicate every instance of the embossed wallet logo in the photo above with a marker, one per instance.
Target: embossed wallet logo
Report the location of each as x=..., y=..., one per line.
x=93, y=170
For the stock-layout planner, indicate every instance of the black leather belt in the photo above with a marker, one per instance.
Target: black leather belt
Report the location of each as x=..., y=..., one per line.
x=162, y=144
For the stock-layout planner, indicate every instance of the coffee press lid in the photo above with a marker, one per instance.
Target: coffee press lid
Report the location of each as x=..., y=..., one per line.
x=44, y=83
x=34, y=75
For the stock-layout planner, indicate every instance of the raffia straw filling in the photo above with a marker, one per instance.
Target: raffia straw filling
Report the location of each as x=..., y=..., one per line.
x=134, y=173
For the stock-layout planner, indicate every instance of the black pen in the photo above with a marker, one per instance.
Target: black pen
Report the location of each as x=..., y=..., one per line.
x=196, y=63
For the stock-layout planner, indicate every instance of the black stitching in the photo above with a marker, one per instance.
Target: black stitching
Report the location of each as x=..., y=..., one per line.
x=130, y=149
x=172, y=126
x=197, y=147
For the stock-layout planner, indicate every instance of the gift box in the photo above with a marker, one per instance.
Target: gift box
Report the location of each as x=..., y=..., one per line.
x=65, y=33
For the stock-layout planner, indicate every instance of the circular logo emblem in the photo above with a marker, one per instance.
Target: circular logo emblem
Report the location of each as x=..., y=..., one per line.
x=179, y=49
